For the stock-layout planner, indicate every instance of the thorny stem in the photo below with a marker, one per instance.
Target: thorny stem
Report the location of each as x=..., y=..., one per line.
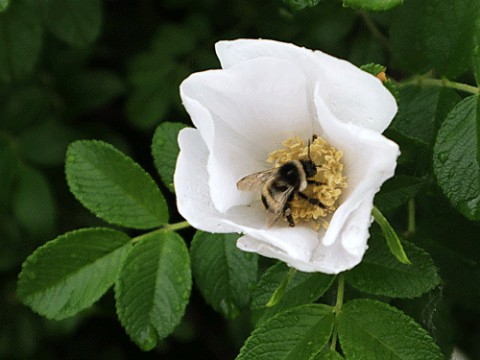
x=372, y=27
x=422, y=80
x=337, y=310
x=165, y=228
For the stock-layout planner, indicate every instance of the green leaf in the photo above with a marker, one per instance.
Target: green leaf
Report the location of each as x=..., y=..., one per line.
x=450, y=32
x=224, y=274
x=165, y=150
x=113, y=186
x=397, y=191
x=372, y=330
x=37, y=146
x=476, y=60
x=406, y=37
x=391, y=236
x=380, y=273
x=4, y=5
x=20, y=39
x=76, y=22
x=33, y=203
x=153, y=288
x=70, y=273
x=457, y=155
x=304, y=288
x=301, y=4
x=299, y=333
x=422, y=110
x=329, y=355
x=23, y=106
x=373, y=5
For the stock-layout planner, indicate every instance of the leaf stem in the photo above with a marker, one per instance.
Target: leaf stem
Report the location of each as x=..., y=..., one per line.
x=337, y=310
x=422, y=80
x=167, y=227
x=279, y=292
x=411, y=217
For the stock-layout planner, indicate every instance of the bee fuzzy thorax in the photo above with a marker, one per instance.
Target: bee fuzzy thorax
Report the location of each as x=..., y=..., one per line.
x=325, y=186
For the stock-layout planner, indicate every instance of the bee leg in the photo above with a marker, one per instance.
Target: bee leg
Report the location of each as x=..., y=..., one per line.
x=315, y=182
x=288, y=214
x=311, y=200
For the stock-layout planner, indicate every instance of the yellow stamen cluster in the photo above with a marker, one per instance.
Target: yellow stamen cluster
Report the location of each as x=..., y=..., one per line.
x=329, y=177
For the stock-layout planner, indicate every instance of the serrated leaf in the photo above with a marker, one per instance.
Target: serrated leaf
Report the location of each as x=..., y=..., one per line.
x=224, y=274
x=456, y=158
x=372, y=330
x=20, y=39
x=70, y=273
x=165, y=150
x=304, y=288
x=450, y=32
x=373, y=5
x=113, y=186
x=397, y=191
x=393, y=241
x=76, y=22
x=299, y=333
x=380, y=273
x=301, y=4
x=422, y=109
x=153, y=288
x=33, y=203
x=37, y=146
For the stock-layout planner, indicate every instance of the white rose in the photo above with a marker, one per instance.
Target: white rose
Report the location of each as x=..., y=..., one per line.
x=265, y=93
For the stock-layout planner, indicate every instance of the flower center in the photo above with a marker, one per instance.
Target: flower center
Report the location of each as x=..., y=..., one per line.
x=326, y=186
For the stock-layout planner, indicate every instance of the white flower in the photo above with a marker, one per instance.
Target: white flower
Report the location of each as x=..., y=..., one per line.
x=265, y=93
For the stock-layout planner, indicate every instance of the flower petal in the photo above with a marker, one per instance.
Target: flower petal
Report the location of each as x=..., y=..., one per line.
x=352, y=95
x=191, y=185
x=369, y=160
x=244, y=113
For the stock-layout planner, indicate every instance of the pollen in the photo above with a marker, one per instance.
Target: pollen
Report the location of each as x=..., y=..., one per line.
x=328, y=183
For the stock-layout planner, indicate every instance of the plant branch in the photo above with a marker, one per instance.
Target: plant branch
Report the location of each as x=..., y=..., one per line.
x=422, y=80
x=165, y=228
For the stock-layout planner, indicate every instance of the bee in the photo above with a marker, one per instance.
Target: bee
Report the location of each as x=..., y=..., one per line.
x=279, y=186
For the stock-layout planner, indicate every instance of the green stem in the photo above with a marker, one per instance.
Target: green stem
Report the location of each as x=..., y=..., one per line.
x=167, y=227
x=279, y=292
x=421, y=80
x=411, y=217
x=376, y=33
x=337, y=310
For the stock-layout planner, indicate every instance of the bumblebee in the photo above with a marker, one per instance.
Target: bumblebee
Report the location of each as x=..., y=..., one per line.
x=279, y=186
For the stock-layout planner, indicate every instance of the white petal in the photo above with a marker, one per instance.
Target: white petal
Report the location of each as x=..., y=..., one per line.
x=369, y=160
x=352, y=95
x=191, y=185
x=243, y=114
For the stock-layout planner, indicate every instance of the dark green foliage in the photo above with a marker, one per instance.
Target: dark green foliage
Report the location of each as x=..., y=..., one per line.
x=224, y=275
x=108, y=72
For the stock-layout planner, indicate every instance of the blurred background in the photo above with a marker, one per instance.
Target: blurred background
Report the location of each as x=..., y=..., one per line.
x=110, y=70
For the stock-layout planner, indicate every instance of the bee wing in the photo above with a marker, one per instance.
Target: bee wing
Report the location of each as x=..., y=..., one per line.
x=277, y=207
x=254, y=181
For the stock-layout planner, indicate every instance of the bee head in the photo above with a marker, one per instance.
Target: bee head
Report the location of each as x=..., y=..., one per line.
x=309, y=167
